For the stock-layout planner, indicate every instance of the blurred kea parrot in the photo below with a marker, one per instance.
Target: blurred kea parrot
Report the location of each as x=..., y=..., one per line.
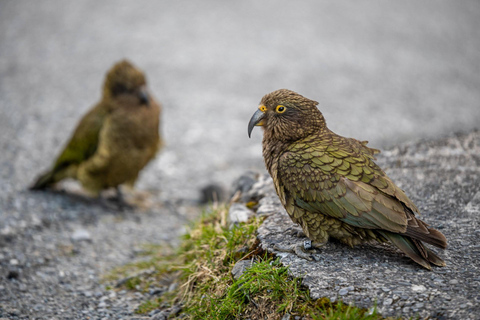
x=331, y=186
x=115, y=139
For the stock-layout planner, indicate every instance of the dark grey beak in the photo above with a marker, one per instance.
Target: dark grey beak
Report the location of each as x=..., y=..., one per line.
x=256, y=120
x=144, y=96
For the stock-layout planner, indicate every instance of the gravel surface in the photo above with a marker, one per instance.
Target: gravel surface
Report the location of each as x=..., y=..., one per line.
x=443, y=178
x=399, y=70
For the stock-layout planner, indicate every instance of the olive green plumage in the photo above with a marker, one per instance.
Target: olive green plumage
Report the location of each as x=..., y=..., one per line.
x=331, y=186
x=115, y=139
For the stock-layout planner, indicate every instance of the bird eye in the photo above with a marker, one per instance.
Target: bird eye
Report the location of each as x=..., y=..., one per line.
x=280, y=109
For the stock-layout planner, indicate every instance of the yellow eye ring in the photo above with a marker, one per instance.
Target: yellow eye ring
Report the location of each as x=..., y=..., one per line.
x=280, y=109
x=262, y=108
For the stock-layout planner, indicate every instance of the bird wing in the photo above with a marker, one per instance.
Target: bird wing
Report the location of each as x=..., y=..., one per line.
x=338, y=178
x=84, y=141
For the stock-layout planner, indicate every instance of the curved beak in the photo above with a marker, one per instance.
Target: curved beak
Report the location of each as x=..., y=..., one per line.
x=144, y=96
x=256, y=120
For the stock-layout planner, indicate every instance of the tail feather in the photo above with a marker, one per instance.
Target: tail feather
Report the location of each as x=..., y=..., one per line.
x=53, y=176
x=436, y=260
x=43, y=181
x=419, y=230
x=414, y=249
x=433, y=237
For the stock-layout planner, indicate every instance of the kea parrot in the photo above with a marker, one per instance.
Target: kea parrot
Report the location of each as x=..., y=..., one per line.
x=115, y=139
x=331, y=186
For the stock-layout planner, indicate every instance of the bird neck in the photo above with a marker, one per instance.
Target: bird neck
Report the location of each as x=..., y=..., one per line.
x=274, y=148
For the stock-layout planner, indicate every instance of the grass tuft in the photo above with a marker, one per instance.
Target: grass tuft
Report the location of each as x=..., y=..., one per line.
x=197, y=275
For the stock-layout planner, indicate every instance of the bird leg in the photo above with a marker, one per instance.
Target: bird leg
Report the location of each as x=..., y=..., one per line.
x=300, y=249
x=120, y=196
x=296, y=231
x=119, y=200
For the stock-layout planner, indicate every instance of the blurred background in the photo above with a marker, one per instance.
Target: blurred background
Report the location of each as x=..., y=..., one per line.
x=383, y=71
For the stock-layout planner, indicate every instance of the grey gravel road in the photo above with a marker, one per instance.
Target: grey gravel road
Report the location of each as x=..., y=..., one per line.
x=386, y=71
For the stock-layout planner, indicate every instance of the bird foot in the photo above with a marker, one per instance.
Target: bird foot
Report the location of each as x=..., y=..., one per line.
x=117, y=202
x=299, y=249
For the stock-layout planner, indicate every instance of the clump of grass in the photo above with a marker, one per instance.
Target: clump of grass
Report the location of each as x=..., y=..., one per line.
x=201, y=268
x=263, y=290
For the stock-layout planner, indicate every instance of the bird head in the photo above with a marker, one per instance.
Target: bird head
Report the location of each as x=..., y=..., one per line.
x=287, y=116
x=125, y=79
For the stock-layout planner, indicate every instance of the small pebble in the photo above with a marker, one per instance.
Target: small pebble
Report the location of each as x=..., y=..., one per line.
x=387, y=302
x=343, y=291
x=419, y=288
x=81, y=235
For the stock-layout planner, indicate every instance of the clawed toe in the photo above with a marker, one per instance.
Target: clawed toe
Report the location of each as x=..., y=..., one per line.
x=298, y=249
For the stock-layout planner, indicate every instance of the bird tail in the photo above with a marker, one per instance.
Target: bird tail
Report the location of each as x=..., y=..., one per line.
x=414, y=249
x=59, y=172
x=44, y=181
x=419, y=230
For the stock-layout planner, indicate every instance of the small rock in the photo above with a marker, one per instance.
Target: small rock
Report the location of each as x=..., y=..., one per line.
x=343, y=291
x=260, y=189
x=244, y=183
x=172, y=287
x=38, y=307
x=286, y=316
x=154, y=291
x=167, y=313
x=160, y=316
x=239, y=213
x=154, y=312
x=211, y=193
x=81, y=235
x=419, y=288
x=387, y=302
x=419, y=305
x=240, y=267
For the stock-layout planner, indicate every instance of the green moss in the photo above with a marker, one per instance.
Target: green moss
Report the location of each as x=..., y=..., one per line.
x=148, y=306
x=132, y=283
